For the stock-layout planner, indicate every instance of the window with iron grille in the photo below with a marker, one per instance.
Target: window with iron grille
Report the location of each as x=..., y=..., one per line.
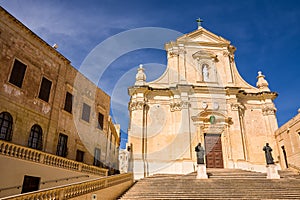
x=35, y=140
x=6, y=122
x=62, y=148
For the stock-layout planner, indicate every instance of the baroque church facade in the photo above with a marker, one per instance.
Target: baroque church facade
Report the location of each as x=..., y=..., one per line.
x=200, y=98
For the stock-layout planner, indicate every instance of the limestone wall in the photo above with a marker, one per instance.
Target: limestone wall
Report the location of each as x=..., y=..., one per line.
x=288, y=135
x=27, y=109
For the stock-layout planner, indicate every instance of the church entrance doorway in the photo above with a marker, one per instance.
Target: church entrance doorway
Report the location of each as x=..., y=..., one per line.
x=213, y=148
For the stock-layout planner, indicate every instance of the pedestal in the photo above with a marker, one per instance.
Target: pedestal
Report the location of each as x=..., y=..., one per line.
x=201, y=171
x=272, y=172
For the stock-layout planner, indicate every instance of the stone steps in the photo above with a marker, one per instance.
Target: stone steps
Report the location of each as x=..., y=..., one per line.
x=222, y=184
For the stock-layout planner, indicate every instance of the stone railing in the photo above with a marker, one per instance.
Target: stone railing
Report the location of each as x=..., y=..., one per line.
x=25, y=153
x=296, y=168
x=74, y=190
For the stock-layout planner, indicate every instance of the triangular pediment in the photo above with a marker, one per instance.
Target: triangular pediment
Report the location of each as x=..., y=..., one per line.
x=203, y=36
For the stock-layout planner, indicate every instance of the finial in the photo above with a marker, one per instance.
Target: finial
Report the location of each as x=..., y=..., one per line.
x=140, y=76
x=259, y=73
x=261, y=83
x=199, y=22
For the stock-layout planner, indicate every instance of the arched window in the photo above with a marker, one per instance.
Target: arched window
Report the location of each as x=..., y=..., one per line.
x=6, y=122
x=35, y=140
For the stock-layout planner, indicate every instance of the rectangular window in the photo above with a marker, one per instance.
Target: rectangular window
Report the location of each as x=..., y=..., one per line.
x=79, y=156
x=62, y=148
x=30, y=183
x=86, y=111
x=17, y=73
x=45, y=89
x=97, y=157
x=100, y=121
x=68, y=102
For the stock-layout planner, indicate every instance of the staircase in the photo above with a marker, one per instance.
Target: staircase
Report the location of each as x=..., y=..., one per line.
x=221, y=184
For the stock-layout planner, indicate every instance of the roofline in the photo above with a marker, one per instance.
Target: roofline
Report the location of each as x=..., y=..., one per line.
x=5, y=12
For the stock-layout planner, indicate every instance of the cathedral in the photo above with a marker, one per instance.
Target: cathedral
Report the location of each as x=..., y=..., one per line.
x=200, y=98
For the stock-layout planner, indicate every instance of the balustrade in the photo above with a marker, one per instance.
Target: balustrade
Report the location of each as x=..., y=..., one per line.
x=25, y=153
x=74, y=190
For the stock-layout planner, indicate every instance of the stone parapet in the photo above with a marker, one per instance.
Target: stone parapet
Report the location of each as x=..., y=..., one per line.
x=75, y=190
x=24, y=153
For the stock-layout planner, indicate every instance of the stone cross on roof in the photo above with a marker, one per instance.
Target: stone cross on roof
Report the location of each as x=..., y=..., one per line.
x=199, y=22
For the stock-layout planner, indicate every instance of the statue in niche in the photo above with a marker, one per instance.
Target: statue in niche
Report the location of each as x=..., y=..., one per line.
x=205, y=72
x=200, y=154
x=267, y=149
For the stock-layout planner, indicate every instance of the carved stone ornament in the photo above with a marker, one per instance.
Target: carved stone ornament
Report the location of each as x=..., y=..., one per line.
x=261, y=83
x=140, y=76
x=236, y=106
x=137, y=105
x=185, y=105
x=269, y=110
x=229, y=54
x=205, y=55
x=173, y=52
x=175, y=106
x=226, y=53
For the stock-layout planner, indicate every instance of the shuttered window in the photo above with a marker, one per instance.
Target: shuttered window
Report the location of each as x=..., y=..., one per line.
x=45, y=89
x=17, y=73
x=68, y=102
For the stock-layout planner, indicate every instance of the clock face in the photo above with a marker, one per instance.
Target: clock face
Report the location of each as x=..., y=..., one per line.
x=215, y=105
x=204, y=105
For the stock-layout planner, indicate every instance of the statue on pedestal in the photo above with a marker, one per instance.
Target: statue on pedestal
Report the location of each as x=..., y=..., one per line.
x=200, y=154
x=269, y=159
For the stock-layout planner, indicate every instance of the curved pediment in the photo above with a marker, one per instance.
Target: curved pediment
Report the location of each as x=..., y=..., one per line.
x=212, y=117
x=204, y=54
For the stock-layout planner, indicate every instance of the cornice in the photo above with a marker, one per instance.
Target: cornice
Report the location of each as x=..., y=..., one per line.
x=6, y=14
x=258, y=95
x=206, y=32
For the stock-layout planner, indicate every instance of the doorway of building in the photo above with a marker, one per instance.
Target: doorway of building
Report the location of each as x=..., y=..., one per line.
x=30, y=183
x=213, y=148
x=62, y=148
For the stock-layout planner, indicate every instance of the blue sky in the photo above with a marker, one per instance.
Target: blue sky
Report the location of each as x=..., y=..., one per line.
x=266, y=34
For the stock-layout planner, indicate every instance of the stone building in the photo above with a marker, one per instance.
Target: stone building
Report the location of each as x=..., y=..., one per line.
x=47, y=105
x=288, y=141
x=200, y=98
x=125, y=160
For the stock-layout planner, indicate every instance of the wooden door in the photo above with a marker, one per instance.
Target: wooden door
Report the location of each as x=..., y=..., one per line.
x=213, y=148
